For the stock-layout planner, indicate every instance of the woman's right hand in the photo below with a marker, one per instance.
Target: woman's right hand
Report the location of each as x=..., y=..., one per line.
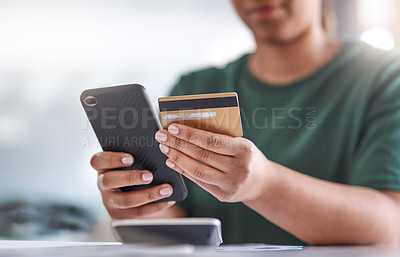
x=127, y=205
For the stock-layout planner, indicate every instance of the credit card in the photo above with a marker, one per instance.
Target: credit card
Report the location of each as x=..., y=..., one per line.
x=218, y=113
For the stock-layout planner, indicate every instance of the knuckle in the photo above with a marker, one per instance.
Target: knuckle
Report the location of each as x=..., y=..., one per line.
x=151, y=195
x=177, y=143
x=109, y=202
x=198, y=173
x=175, y=157
x=130, y=177
x=203, y=154
x=247, y=147
x=102, y=182
x=93, y=160
x=189, y=135
x=213, y=142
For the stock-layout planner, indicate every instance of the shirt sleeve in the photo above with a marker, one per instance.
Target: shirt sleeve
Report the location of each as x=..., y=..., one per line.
x=376, y=163
x=177, y=89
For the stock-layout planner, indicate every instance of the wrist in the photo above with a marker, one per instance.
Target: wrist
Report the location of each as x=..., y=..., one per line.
x=268, y=188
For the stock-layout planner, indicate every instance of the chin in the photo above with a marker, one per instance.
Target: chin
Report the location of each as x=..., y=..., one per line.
x=276, y=38
x=278, y=35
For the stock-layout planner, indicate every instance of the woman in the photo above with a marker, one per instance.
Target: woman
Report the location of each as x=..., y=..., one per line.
x=319, y=161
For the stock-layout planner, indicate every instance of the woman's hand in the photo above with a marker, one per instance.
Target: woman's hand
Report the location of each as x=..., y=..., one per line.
x=127, y=205
x=231, y=169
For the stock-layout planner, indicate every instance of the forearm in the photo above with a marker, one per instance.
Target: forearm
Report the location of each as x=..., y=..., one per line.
x=321, y=212
x=233, y=169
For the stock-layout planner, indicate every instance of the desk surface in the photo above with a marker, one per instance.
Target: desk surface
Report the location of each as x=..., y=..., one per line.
x=60, y=249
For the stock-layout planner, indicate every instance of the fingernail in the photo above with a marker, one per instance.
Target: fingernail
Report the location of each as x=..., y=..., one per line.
x=173, y=129
x=170, y=203
x=164, y=148
x=127, y=160
x=161, y=136
x=170, y=164
x=147, y=177
x=165, y=191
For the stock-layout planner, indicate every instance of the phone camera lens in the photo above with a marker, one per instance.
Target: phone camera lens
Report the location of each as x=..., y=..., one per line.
x=90, y=101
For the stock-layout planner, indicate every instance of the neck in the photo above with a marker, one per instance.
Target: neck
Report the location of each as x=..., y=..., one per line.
x=281, y=64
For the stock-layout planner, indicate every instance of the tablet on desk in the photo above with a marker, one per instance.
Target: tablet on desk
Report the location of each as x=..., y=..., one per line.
x=195, y=231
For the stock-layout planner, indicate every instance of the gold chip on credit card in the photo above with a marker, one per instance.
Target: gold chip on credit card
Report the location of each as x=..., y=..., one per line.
x=218, y=113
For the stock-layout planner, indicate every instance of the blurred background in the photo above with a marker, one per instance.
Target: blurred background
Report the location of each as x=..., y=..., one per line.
x=52, y=50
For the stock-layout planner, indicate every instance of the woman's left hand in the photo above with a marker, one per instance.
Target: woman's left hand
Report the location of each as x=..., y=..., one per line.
x=232, y=169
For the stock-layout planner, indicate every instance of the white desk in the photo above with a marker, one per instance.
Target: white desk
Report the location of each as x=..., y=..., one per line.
x=60, y=249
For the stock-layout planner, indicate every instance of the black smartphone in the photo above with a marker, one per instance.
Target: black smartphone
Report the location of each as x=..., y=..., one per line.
x=123, y=121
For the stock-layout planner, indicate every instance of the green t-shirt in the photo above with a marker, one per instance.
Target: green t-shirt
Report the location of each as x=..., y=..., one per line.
x=340, y=124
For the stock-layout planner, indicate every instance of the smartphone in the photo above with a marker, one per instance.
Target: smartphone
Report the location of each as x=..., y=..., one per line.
x=123, y=121
x=194, y=231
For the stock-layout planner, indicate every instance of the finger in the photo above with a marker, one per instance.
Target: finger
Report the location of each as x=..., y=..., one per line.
x=125, y=200
x=208, y=187
x=110, y=160
x=145, y=210
x=218, y=143
x=121, y=178
x=194, y=168
x=216, y=160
